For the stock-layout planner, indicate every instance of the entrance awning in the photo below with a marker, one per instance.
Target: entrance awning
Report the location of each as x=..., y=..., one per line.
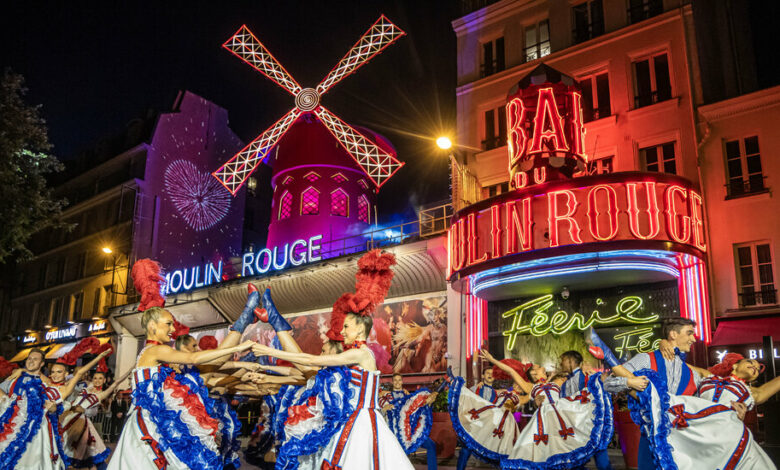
x=22, y=355
x=746, y=331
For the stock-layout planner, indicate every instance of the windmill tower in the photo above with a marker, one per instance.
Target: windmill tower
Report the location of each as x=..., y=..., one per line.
x=326, y=173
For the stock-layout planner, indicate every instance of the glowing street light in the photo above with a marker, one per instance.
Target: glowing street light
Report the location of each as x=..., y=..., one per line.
x=107, y=250
x=444, y=143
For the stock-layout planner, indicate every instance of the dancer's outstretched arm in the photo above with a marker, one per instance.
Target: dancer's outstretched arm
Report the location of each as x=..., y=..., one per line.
x=518, y=380
x=763, y=393
x=354, y=356
x=165, y=353
x=110, y=390
x=82, y=371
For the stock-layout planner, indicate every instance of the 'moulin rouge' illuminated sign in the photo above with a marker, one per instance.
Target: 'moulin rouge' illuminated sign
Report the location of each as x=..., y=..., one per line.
x=648, y=207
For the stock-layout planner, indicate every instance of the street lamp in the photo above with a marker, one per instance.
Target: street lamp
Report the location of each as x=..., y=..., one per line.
x=107, y=250
x=444, y=143
x=114, y=256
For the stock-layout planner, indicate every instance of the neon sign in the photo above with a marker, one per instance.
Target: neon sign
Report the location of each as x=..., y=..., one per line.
x=61, y=333
x=751, y=354
x=546, y=136
x=639, y=340
x=185, y=279
x=29, y=338
x=615, y=207
x=292, y=254
x=541, y=322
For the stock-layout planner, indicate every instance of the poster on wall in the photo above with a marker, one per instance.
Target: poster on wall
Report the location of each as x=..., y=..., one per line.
x=413, y=334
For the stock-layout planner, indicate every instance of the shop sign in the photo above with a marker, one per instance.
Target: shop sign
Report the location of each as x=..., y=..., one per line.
x=193, y=277
x=752, y=352
x=66, y=333
x=291, y=254
x=607, y=208
x=534, y=318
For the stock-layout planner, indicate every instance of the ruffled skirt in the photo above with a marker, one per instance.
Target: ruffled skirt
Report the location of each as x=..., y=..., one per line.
x=693, y=433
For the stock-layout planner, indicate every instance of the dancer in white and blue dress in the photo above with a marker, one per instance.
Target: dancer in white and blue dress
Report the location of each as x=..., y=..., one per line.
x=29, y=415
x=364, y=440
x=563, y=433
x=170, y=425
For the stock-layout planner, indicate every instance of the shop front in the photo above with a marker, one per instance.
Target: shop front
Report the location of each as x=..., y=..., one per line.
x=58, y=341
x=558, y=253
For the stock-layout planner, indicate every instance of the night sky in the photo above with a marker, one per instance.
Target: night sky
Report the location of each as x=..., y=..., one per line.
x=94, y=66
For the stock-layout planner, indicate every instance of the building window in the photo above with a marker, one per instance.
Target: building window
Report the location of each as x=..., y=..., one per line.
x=659, y=158
x=311, y=176
x=495, y=128
x=339, y=178
x=76, y=306
x=287, y=180
x=339, y=203
x=97, y=305
x=743, y=167
x=595, y=97
x=362, y=183
x=537, y=40
x=492, y=57
x=496, y=189
x=588, y=20
x=310, y=201
x=651, y=80
x=285, y=206
x=755, y=278
x=639, y=10
x=363, y=209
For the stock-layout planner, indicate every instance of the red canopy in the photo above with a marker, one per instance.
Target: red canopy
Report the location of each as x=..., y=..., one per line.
x=746, y=331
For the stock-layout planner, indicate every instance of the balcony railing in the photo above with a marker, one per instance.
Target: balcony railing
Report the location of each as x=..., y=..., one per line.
x=739, y=188
x=652, y=98
x=761, y=297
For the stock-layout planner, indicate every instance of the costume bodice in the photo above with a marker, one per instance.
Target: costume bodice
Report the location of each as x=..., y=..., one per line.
x=724, y=390
x=142, y=374
x=550, y=390
x=365, y=388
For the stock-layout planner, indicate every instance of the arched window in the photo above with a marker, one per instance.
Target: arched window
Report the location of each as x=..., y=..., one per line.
x=339, y=178
x=339, y=203
x=310, y=201
x=285, y=205
x=363, y=209
x=311, y=176
x=287, y=180
x=363, y=184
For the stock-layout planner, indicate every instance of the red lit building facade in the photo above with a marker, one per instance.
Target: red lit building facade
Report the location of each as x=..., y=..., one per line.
x=587, y=250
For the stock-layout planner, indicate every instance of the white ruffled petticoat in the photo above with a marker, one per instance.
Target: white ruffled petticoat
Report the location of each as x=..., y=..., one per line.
x=411, y=419
x=81, y=441
x=698, y=432
x=28, y=435
x=563, y=433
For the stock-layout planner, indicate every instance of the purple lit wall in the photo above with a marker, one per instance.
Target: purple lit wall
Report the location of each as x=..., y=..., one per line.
x=195, y=220
x=318, y=187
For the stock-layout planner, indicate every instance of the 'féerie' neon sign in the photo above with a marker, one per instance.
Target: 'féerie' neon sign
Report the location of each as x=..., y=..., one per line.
x=542, y=323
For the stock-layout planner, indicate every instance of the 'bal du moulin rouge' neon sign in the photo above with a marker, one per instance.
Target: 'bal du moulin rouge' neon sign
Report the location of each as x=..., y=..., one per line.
x=534, y=318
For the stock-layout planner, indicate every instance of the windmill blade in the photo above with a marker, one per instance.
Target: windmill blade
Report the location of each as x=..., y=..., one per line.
x=378, y=165
x=236, y=171
x=380, y=35
x=248, y=48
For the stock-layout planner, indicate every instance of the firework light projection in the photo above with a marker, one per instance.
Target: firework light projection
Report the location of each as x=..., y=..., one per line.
x=198, y=197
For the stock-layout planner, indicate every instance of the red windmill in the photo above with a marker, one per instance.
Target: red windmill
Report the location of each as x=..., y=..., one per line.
x=377, y=164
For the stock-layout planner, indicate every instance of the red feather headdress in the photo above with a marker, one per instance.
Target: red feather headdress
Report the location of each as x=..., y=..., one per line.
x=148, y=282
x=726, y=365
x=6, y=367
x=518, y=366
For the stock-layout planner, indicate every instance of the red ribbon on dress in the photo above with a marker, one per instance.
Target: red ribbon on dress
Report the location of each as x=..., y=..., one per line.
x=679, y=416
x=299, y=413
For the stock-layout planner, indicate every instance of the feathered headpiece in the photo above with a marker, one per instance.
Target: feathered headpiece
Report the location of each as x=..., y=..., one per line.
x=148, y=282
x=6, y=367
x=207, y=342
x=372, y=283
x=102, y=366
x=726, y=365
x=86, y=345
x=518, y=366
